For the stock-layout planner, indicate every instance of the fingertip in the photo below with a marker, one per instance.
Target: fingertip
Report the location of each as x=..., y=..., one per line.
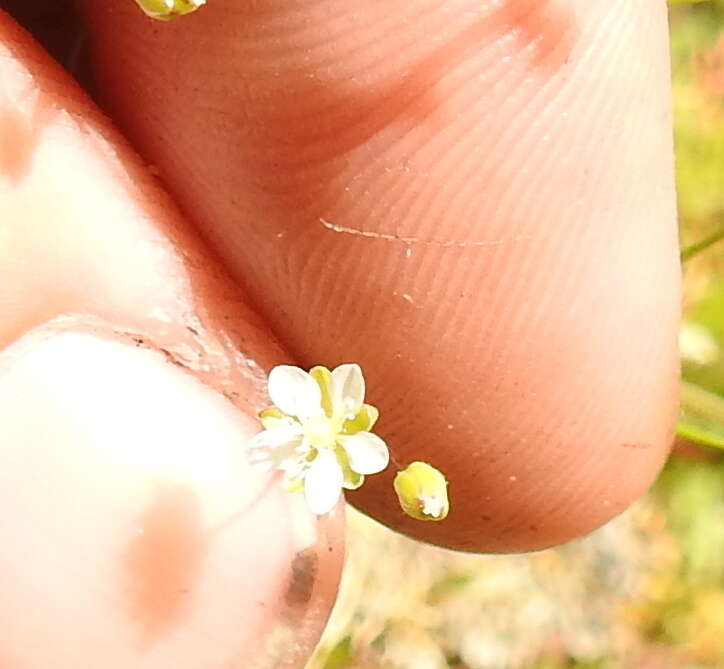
x=492, y=237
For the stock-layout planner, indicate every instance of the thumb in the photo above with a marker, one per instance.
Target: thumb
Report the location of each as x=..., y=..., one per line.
x=134, y=533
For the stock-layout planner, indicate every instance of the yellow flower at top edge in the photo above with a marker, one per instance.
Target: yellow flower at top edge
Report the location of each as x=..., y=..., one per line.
x=168, y=9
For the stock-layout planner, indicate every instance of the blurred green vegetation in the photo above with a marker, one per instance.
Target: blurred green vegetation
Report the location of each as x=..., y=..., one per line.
x=645, y=591
x=690, y=612
x=698, y=80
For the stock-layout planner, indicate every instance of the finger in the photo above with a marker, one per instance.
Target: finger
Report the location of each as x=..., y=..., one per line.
x=472, y=200
x=130, y=372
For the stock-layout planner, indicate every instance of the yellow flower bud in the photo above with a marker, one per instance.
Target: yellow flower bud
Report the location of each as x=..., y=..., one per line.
x=422, y=491
x=167, y=9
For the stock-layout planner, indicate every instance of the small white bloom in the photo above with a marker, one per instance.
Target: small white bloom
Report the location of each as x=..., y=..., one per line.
x=318, y=433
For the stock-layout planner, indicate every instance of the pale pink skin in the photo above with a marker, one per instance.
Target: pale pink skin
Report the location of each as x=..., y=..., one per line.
x=473, y=200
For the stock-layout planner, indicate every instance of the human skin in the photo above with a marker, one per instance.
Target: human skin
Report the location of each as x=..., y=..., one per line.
x=473, y=200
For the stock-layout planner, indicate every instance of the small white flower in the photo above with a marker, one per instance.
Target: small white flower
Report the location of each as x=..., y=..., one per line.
x=318, y=433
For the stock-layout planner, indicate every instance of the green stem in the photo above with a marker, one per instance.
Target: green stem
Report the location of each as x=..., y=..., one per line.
x=706, y=406
x=695, y=249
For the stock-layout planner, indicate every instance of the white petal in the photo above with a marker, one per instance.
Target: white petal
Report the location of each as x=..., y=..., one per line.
x=277, y=436
x=323, y=483
x=274, y=446
x=294, y=392
x=295, y=465
x=348, y=390
x=294, y=471
x=367, y=453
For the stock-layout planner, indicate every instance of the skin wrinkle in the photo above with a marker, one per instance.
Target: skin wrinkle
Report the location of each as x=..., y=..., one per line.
x=549, y=26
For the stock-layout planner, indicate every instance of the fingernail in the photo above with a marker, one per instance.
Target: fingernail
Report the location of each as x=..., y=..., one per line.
x=131, y=515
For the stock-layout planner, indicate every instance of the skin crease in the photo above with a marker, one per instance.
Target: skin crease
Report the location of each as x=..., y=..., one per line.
x=484, y=221
x=473, y=201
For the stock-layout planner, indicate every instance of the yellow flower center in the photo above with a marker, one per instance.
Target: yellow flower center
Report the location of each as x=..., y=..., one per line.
x=321, y=432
